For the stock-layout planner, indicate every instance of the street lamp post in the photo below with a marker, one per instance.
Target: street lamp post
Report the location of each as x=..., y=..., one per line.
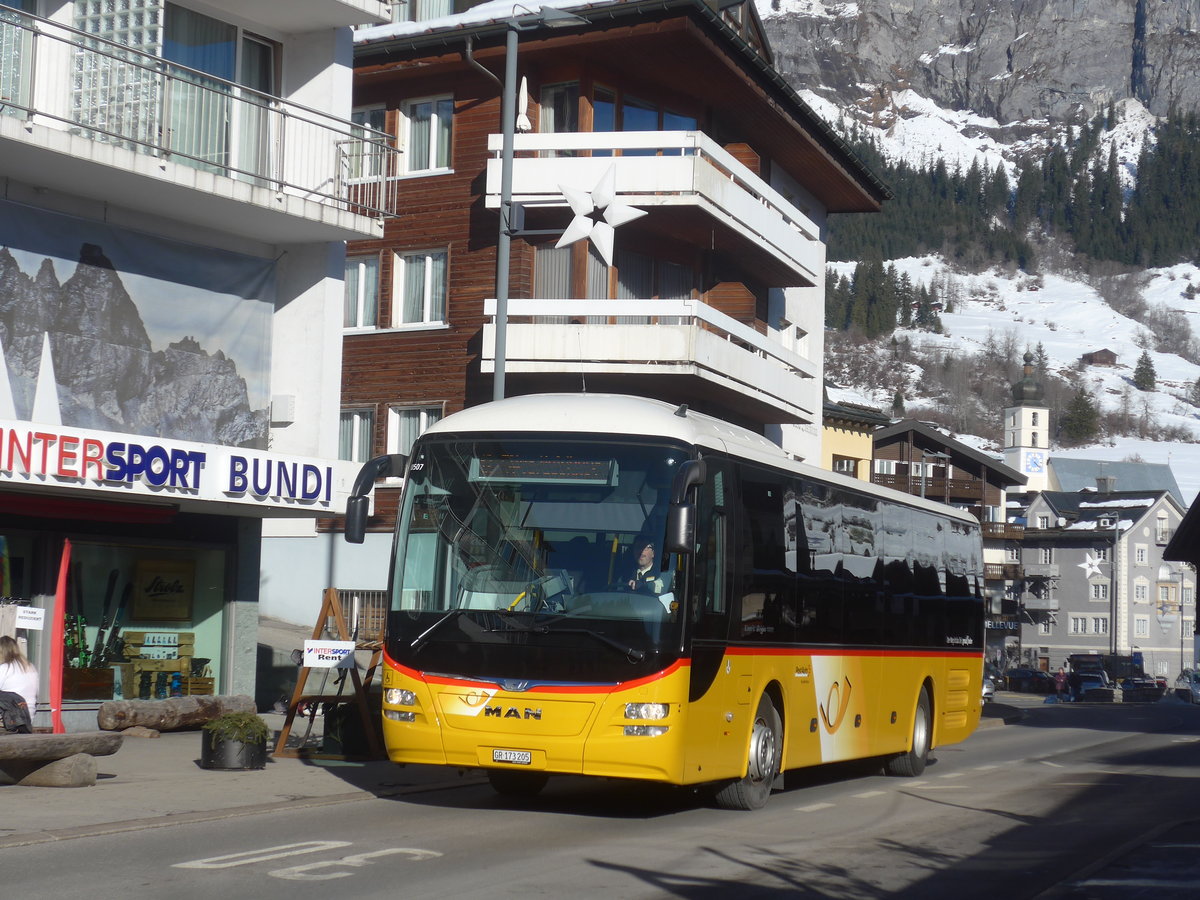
x=927, y=454
x=548, y=17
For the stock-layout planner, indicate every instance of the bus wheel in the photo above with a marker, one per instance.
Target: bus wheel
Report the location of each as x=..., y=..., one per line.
x=517, y=784
x=912, y=762
x=766, y=750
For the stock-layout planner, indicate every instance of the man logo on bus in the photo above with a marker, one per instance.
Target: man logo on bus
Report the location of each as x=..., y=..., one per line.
x=511, y=713
x=836, y=704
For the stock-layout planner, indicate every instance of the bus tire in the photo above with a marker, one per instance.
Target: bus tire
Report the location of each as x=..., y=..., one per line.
x=510, y=783
x=912, y=762
x=766, y=751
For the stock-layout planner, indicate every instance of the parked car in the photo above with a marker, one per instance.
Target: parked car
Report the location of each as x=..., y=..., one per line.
x=1029, y=681
x=1187, y=685
x=989, y=689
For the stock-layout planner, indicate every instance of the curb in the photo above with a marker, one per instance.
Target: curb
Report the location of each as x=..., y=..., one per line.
x=128, y=825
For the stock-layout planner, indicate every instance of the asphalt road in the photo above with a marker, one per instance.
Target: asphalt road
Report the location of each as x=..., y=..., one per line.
x=1076, y=801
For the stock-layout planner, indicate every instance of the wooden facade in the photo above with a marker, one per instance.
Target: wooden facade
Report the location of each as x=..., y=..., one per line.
x=680, y=60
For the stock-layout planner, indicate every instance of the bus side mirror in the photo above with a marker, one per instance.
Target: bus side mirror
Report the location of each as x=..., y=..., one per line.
x=359, y=504
x=681, y=518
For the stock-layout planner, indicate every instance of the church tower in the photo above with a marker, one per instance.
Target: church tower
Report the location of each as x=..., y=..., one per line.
x=1027, y=430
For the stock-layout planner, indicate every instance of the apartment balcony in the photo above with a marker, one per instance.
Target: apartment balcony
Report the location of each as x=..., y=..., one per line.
x=1003, y=531
x=679, y=350
x=1040, y=604
x=1002, y=571
x=672, y=176
x=84, y=116
x=1041, y=570
x=299, y=16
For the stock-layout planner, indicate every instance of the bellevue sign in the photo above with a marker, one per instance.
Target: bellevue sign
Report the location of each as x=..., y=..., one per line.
x=56, y=456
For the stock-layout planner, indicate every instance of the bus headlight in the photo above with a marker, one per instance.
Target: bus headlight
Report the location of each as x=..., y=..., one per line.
x=398, y=697
x=645, y=730
x=397, y=716
x=650, y=711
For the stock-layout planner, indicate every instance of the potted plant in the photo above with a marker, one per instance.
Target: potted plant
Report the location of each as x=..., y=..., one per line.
x=236, y=740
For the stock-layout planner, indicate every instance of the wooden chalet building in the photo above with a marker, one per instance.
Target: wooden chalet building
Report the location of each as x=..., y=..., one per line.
x=714, y=297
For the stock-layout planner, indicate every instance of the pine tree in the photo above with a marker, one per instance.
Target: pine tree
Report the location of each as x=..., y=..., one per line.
x=1195, y=395
x=1080, y=422
x=1143, y=373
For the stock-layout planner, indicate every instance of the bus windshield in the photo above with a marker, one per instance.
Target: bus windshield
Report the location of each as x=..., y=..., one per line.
x=537, y=559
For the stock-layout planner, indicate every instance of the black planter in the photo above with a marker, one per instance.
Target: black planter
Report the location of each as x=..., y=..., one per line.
x=216, y=753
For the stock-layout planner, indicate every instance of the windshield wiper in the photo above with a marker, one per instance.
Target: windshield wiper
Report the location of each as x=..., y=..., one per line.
x=424, y=635
x=633, y=654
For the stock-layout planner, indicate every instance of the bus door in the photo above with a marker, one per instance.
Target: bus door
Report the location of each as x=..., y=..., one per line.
x=714, y=744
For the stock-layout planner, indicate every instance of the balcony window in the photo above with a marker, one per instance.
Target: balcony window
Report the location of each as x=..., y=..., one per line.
x=355, y=430
x=362, y=160
x=407, y=423
x=422, y=280
x=427, y=134
x=361, y=300
x=421, y=10
x=559, y=109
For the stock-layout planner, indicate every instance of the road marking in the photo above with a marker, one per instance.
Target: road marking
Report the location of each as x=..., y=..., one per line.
x=943, y=787
x=304, y=872
x=1046, y=762
x=952, y=775
x=814, y=807
x=985, y=768
x=247, y=857
x=868, y=794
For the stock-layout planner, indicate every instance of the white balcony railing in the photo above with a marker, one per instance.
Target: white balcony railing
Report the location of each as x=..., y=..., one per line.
x=648, y=337
x=660, y=169
x=60, y=77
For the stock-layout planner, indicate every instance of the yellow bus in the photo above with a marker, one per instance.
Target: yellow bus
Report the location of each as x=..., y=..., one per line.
x=611, y=586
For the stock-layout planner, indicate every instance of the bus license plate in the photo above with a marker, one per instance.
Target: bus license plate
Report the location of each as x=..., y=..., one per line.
x=516, y=757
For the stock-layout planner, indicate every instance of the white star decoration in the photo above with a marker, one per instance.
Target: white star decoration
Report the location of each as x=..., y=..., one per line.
x=1091, y=565
x=600, y=199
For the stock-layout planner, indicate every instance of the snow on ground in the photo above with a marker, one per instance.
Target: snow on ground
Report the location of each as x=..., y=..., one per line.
x=1069, y=318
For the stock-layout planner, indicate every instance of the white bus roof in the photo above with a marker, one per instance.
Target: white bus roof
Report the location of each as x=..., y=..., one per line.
x=612, y=415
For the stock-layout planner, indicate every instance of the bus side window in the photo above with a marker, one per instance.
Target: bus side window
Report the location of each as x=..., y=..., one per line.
x=710, y=612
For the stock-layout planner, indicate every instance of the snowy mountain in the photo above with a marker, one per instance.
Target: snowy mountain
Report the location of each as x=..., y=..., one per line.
x=998, y=83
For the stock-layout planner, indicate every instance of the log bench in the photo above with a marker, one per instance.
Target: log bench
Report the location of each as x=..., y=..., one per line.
x=55, y=760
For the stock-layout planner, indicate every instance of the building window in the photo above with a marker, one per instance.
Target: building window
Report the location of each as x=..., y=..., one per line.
x=1101, y=554
x=844, y=465
x=427, y=133
x=1141, y=593
x=1079, y=625
x=420, y=288
x=1187, y=595
x=361, y=302
x=1141, y=626
x=1045, y=627
x=366, y=159
x=1033, y=439
x=1099, y=625
x=1164, y=595
x=1033, y=420
x=354, y=435
x=421, y=10
x=1043, y=521
x=1099, y=591
x=1139, y=556
x=407, y=423
x=1189, y=628
x=1046, y=555
x=1013, y=553
x=1161, y=532
x=885, y=467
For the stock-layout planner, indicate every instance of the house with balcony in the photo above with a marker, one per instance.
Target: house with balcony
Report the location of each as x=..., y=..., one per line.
x=664, y=205
x=848, y=425
x=179, y=182
x=918, y=458
x=1096, y=579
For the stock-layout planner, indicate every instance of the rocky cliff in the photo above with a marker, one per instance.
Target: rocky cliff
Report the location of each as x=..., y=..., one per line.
x=1012, y=60
x=109, y=376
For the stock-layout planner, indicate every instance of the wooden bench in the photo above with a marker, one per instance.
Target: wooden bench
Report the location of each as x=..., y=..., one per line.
x=55, y=760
